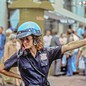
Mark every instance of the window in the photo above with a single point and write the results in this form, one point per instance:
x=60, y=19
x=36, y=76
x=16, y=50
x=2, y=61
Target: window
x=85, y=11
x=52, y=1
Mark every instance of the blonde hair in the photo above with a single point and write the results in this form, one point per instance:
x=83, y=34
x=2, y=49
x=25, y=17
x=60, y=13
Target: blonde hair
x=39, y=44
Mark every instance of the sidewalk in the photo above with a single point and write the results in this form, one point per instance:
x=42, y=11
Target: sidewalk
x=76, y=80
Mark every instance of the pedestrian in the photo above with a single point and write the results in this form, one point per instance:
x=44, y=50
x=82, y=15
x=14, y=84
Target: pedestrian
x=8, y=33
x=80, y=30
x=69, y=54
x=55, y=39
x=32, y=59
x=63, y=40
x=47, y=39
x=56, y=65
x=2, y=42
x=75, y=52
x=11, y=47
x=82, y=55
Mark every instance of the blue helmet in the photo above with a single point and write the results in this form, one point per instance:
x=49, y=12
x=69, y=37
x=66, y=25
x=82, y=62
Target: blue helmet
x=28, y=28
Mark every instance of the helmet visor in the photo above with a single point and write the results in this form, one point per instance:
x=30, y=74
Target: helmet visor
x=21, y=35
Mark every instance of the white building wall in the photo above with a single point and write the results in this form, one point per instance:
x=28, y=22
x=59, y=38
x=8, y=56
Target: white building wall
x=78, y=9
x=61, y=27
x=3, y=14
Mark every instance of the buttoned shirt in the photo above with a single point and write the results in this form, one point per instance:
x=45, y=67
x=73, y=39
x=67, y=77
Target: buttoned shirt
x=80, y=32
x=47, y=40
x=42, y=62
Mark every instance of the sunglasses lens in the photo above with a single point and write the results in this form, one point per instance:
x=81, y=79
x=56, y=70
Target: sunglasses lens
x=23, y=39
x=27, y=38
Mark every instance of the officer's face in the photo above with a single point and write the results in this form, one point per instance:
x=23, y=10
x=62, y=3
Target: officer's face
x=27, y=42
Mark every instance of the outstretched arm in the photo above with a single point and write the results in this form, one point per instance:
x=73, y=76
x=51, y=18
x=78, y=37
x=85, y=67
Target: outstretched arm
x=73, y=45
x=9, y=73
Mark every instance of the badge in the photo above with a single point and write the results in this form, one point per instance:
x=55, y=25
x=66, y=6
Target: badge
x=43, y=56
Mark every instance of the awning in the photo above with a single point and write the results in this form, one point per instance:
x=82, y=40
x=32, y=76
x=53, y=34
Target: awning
x=71, y=15
x=52, y=15
x=61, y=18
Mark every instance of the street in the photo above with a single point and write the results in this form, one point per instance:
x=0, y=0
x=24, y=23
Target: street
x=76, y=80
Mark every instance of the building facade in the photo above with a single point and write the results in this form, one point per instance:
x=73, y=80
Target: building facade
x=3, y=14
x=64, y=11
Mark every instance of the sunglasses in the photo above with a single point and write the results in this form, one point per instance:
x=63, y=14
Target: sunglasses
x=25, y=39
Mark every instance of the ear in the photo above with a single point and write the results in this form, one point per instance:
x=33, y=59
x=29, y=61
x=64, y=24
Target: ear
x=35, y=42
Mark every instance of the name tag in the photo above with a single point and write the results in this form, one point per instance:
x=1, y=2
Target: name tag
x=43, y=56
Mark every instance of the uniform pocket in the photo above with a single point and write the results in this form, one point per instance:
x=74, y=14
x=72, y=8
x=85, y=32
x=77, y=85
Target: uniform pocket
x=45, y=66
x=26, y=66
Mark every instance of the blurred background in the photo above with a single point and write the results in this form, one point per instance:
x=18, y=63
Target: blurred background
x=62, y=20
x=62, y=13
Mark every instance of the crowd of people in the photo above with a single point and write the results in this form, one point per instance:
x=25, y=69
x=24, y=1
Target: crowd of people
x=57, y=49
x=8, y=46
x=73, y=60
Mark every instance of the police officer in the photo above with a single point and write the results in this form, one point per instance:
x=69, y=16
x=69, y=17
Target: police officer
x=32, y=59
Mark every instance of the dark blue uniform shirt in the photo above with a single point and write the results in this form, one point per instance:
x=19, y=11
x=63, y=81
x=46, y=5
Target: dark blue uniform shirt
x=42, y=62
